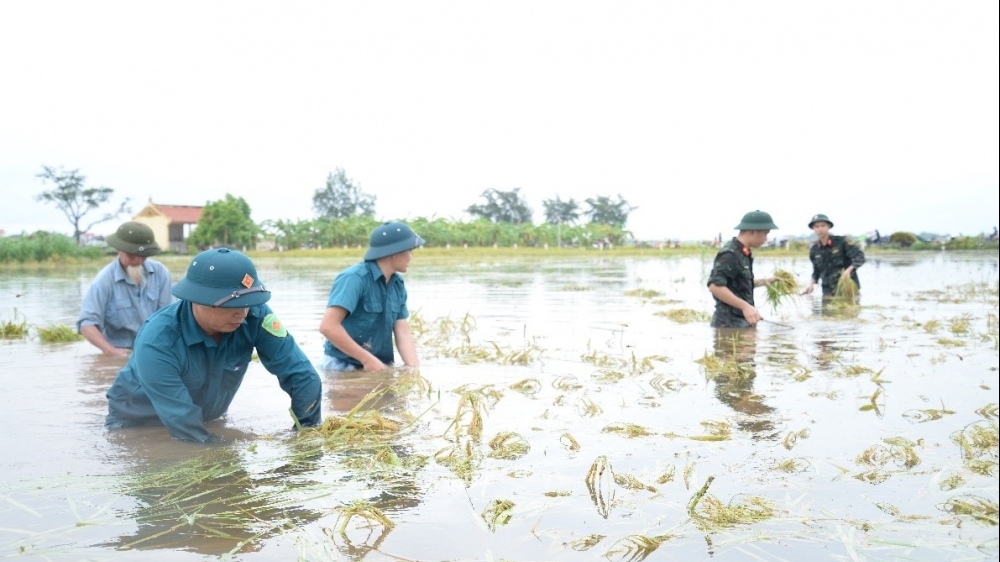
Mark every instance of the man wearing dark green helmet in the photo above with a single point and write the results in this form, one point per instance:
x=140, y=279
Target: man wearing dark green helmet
x=367, y=309
x=833, y=257
x=731, y=281
x=190, y=357
x=126, y=292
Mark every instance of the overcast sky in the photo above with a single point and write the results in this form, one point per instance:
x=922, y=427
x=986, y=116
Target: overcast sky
x=880, y=114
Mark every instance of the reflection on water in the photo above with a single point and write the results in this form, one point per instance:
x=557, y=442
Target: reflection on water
x=211, y=504
x=616, y=386
x=735, y=389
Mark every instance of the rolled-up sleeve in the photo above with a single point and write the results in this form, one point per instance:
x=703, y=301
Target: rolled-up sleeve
x=722, y=270
x=855, y=254
x=282, y=357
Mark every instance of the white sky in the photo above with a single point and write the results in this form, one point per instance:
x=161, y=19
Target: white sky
x=880, y=114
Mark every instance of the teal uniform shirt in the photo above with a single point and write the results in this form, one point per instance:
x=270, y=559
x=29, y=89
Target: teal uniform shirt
x=372, y=309
x=831, y=259
x=179, y=376
x=733, y=268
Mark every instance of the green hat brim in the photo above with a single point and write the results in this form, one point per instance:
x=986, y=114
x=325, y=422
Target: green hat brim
x=769, y=225
x=144, y=250
x=376, y=253
x=208, y=296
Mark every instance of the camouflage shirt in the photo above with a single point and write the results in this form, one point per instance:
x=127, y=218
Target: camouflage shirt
x=831, y=259
x=733, y=268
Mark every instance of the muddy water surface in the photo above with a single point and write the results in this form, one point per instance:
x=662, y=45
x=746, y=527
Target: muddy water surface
x=567, y=417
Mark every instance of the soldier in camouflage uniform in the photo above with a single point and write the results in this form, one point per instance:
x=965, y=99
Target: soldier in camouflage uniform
x=833, y=257
x=731, y=281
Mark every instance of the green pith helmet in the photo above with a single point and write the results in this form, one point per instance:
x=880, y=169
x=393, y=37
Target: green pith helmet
x=392, y=238
x=223, y=278
x=820, y=218
x=134, y=238
x=756, y=220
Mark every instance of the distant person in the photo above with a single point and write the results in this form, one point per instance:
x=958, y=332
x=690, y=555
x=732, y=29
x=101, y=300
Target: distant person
x=191, y=357
x=731, y=281
x=125, y=292
x=833, y=257
x=367, y=306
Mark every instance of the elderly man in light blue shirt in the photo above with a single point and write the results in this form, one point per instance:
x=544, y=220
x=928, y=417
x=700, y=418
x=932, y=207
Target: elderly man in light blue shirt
x=126, y=292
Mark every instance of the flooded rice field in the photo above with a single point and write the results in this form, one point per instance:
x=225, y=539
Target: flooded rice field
x=565, y=409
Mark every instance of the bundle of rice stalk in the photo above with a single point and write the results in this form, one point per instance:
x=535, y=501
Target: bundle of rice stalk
x=846, y=289
x=783, y=286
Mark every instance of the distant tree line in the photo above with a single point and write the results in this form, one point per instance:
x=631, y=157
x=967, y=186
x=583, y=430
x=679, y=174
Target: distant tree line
x=345, y=216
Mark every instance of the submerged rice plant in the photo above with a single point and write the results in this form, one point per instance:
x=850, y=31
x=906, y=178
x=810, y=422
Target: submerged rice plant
x=569, y=442
x=586, y=543
x=12, y=329
x=643, y=293
x=498, y=513
x=630, y=430
x=365, y=510
x=472, y=404
x=462, y=460
x=60, y=333
x=980, y=445
x=635, y=548
x=978, y=508
x=710, y=513
x=684, y=315
x=719, y=368
x=598, y=482
x=509, y=445
x=630, y=482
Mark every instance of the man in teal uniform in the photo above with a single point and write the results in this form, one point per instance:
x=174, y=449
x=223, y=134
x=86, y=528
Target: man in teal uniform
x=367, y=305
x=833, y=257
x=731, y=281
x=190, y=357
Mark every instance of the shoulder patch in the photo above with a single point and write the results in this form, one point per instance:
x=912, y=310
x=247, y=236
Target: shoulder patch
x=274, y=326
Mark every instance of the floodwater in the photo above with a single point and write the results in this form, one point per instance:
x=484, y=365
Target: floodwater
x=567, y=418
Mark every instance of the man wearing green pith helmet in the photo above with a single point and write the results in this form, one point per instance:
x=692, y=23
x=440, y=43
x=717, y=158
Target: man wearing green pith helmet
x=833, y=257
x=191, y=356
x=367, y=309
x=731, y=281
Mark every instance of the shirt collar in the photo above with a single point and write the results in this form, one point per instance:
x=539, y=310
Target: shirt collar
x=743, y=249
x=375, y=271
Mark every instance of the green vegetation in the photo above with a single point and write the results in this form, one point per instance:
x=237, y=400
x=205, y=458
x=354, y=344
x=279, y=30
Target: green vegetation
x=783, y=287
x=60, y=333
x=227, y=223
x=684, y=315
x=846, y=289
x=44, y=246
x=12, y=329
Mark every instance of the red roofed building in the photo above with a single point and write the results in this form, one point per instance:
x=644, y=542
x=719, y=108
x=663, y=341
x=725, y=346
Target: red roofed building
x=171, y=224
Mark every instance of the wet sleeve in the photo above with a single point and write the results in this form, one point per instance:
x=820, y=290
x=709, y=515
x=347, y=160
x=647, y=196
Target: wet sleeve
x=282, y=357
x=347, y=292
x=163, y=281
x=404, y=312
x=95, y=302
x=814, y=258
x=722, y=269
x=854, y=253
x=159, y=372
